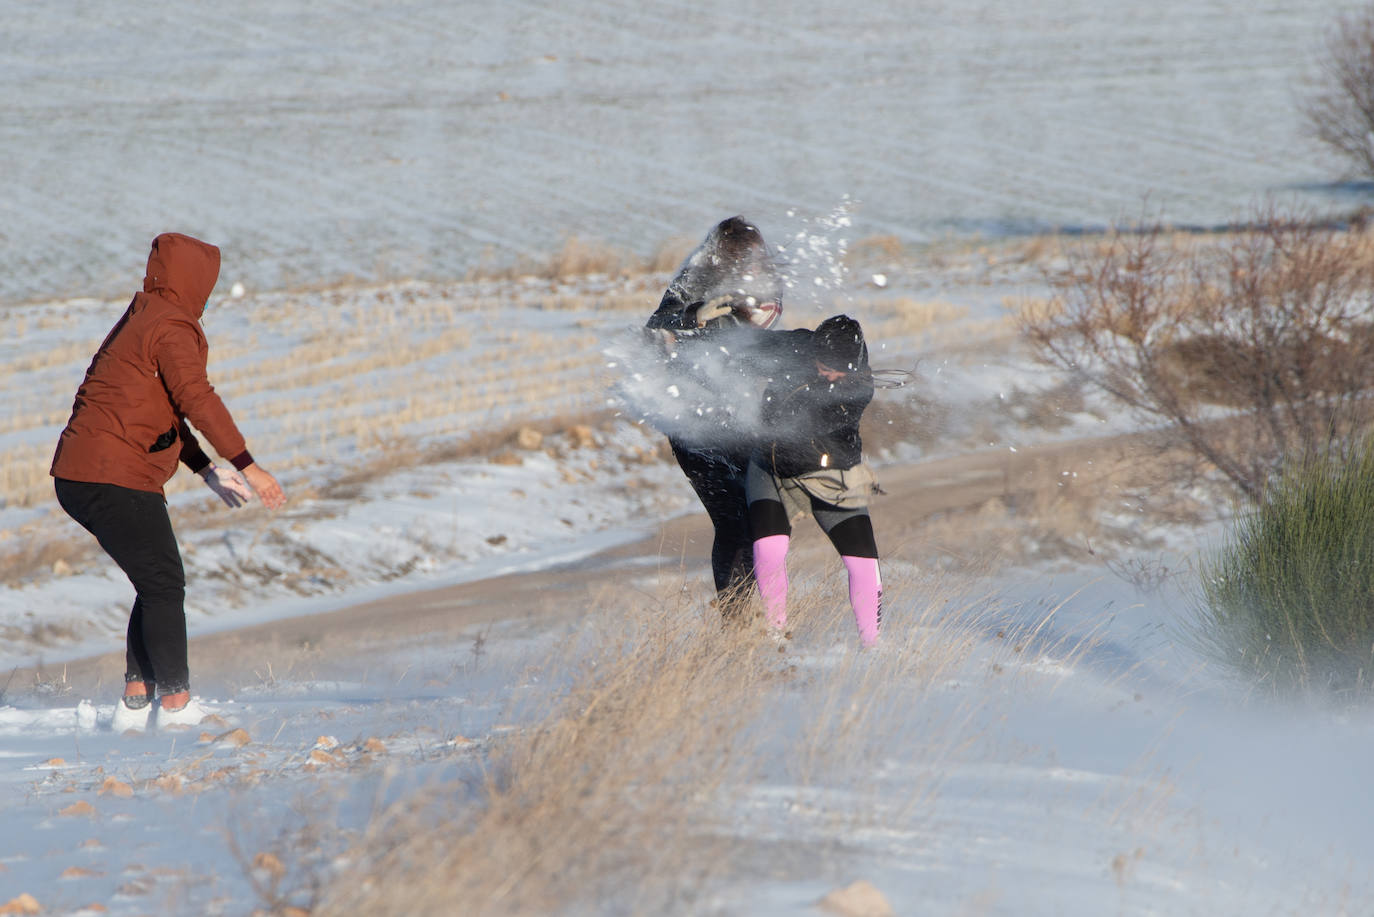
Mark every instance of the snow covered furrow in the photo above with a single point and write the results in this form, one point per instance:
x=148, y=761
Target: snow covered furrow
x=372, y=140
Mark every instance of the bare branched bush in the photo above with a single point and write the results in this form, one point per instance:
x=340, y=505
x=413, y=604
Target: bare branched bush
x=1340, y=109
x=1250, y=347
x=1147, y=575
x=875, y=250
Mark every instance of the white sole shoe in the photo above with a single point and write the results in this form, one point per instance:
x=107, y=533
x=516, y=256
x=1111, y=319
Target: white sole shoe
x=128, y=719
x=184, y=718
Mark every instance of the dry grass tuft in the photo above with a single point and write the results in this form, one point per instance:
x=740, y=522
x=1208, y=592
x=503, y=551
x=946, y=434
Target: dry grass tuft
x=670, y=255
x=869, y=706
x=595, y=797
x=614, y=795
x=875, y=250
x=579, y=258
x=24, y=478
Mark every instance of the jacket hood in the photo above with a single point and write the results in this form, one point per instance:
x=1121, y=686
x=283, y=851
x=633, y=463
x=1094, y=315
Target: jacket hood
x=839, y=342
x=183, y=271
x=733, y=261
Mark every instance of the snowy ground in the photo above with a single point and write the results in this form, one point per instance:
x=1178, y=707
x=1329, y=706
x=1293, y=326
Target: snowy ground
x=342, y=392
x=1101, y=768
x=1054, y=781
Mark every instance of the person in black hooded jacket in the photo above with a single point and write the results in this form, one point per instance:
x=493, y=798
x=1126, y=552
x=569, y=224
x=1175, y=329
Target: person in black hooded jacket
x=724, y=296
x=810, y=458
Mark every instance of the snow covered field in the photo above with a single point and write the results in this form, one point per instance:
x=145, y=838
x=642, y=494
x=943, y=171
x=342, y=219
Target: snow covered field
x=1040, y=741
x=381, y=140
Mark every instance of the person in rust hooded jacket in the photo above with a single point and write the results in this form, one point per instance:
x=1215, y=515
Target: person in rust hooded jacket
x=128, y=430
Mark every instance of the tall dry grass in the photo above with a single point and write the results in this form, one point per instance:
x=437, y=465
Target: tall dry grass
x=578, y=258
x=596, y=798
x=868, y=706
x=873, y=736
x=621, y=791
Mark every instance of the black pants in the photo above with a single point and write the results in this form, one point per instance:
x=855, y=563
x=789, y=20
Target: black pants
x=718, y=479
x=134, y=529
x=852, y=535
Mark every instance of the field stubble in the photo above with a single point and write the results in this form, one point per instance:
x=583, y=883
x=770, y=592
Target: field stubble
x=338, y=386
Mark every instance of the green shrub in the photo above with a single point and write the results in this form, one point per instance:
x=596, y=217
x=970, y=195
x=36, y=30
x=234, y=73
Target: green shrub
x=1289, y=599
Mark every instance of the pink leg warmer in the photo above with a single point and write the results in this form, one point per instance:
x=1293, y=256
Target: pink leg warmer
x=770, y=570
x=865, y=594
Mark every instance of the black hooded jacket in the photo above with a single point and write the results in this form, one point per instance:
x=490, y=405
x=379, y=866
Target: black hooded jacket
x=809, y=422
x=804, y=421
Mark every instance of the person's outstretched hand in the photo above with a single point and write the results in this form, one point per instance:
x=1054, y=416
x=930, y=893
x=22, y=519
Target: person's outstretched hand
x=227, y=484
x=265, y=486
x=708, y=311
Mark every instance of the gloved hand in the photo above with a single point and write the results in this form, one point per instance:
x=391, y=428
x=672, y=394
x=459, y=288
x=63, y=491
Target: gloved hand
x=707, y=311
x=227, y=484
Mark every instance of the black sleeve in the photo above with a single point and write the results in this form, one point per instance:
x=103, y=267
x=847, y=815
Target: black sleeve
x=841, y=404
x=769, y=353
x=192, y=455
x=672, y=314
x=857, y=391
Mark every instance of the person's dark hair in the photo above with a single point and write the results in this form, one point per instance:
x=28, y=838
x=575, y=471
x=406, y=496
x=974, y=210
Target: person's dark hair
x=740, y=240
x=839, y=343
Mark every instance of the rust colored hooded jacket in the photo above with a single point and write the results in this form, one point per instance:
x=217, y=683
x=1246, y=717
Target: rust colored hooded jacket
x=128, y=424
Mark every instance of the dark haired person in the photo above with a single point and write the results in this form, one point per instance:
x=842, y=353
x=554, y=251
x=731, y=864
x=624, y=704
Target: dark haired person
x=726, y=292
x=127, y=432
x=811, y=460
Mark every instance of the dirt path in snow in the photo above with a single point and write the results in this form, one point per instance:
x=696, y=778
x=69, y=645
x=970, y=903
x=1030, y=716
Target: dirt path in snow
x=340, y=639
